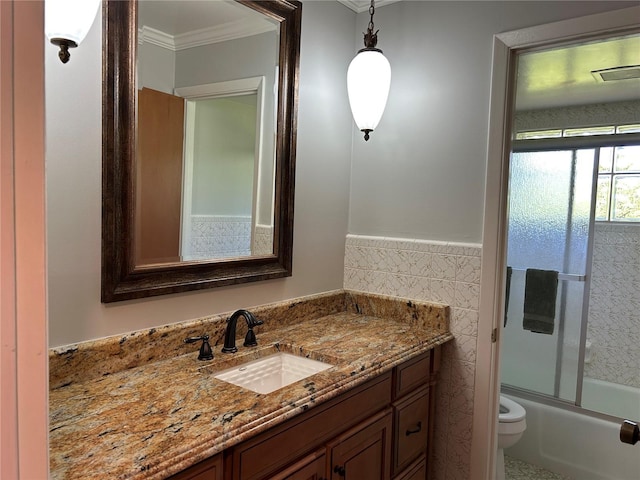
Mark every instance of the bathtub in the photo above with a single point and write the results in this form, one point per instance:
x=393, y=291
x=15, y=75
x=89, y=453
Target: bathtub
x=578, y=445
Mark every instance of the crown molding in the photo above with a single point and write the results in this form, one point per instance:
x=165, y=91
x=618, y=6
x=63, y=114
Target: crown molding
x=205, y=36
x=360, y=6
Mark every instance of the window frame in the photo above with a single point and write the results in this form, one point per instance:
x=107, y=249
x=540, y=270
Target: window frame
x=585, y=142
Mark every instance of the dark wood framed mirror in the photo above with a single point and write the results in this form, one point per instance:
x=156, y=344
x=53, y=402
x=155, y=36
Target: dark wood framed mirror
x=124, y=277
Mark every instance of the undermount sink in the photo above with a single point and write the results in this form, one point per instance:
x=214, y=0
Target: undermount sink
x=271, y=373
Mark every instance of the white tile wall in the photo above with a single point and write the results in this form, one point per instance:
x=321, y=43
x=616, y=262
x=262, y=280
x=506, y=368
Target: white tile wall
x=614, y=305
x=262, y=240
x=218, y=236
x=439, y=272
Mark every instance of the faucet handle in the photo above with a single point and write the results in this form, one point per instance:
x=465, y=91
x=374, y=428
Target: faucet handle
x=252, y=321
x=205, y=349
x=250, y=340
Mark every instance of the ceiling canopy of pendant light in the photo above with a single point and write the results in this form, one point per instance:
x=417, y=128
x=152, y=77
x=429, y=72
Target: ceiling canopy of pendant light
x=67, y=23
x=368, y=82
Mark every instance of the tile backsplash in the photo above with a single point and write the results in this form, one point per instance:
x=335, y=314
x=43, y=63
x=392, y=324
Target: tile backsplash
x=441, y=272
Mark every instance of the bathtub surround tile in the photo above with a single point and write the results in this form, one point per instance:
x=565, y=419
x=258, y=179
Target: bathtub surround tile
x=614, y=305
x=441, y=272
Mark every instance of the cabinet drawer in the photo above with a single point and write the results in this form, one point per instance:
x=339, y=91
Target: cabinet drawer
x=272, y=450
x=411, y=428
x=417, y=471
x=412, y=374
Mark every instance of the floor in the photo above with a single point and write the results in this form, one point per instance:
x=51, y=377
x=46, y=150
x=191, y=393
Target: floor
x=519, y=470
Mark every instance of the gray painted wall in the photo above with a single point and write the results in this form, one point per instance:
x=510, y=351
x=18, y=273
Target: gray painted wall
x=223, y=163
x=156, y=68
x=74, y=190
x=421, y=175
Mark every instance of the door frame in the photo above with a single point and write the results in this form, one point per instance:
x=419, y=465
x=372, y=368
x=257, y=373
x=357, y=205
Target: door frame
x=505, y=48
x=243, y=86
x=24, y=408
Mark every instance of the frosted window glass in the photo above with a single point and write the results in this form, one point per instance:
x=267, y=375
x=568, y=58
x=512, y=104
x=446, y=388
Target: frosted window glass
x=538, y=205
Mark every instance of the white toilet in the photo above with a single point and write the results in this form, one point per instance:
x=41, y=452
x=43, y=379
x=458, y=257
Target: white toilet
x=511, y=426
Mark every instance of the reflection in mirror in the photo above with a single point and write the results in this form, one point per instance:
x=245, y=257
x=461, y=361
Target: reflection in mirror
x=206, y=131
x=199, y=116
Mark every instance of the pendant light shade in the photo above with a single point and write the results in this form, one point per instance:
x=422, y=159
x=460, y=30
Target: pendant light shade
x=67, y=23
x=368, y=82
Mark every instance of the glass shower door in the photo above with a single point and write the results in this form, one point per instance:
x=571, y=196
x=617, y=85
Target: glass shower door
x=549, y=225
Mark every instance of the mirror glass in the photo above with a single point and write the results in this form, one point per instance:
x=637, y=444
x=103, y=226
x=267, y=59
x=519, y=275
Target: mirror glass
x=199, y=141
x=206, y=82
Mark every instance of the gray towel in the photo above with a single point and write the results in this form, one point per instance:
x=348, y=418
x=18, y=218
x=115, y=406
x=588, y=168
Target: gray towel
x=540, y=291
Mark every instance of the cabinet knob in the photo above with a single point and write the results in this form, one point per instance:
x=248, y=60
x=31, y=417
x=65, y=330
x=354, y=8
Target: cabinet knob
x=339, y=469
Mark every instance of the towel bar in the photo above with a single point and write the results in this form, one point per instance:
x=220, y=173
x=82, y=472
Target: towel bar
x=569, y=277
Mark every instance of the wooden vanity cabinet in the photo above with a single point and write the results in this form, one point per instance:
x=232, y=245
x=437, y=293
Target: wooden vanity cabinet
x=380, y=430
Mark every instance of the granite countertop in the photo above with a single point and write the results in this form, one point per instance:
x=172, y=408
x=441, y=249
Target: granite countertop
x=162, y=415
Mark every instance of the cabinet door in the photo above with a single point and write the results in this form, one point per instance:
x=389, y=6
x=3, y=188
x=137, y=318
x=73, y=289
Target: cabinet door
x=364, y=452
x=311, y=467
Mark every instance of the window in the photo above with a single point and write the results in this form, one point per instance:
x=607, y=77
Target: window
x=618, y=189
x=618, y=194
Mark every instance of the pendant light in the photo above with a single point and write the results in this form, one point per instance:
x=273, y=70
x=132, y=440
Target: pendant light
x=67, y=23
x=368, y=81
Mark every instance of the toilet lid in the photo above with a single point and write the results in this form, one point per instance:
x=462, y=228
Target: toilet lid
x=510, y=411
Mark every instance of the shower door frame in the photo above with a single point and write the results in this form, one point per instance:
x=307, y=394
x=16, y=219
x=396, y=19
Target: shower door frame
x=506, y=46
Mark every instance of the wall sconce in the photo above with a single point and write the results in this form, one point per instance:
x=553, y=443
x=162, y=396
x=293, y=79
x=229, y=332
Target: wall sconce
x=67, y=22
x=368, y=82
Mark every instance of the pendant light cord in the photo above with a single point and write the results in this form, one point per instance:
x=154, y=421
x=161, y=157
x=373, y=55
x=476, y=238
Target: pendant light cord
x=371, y=38
x=372, y=10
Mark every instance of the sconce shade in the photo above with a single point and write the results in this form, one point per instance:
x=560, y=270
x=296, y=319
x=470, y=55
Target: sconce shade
x=368, y=82
x=67, y=22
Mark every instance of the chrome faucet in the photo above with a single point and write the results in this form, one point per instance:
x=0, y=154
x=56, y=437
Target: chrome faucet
x=230, y=334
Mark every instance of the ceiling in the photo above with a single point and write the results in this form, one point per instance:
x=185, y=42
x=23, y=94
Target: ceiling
x=188, y=23
x=563, y=76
